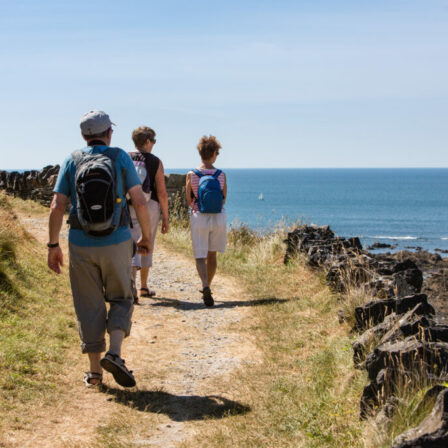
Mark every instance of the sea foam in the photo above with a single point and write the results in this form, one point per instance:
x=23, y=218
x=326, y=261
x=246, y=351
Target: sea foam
x=386, y=237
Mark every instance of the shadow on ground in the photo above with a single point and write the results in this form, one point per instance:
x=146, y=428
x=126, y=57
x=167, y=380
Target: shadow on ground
x=179, y=408
x=187, y=306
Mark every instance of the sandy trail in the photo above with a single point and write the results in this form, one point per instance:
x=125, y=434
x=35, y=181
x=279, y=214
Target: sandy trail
x=180, y=353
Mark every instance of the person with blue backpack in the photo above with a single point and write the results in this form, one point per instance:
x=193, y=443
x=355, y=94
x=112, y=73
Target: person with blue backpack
x=95, y=180
x=206, y=189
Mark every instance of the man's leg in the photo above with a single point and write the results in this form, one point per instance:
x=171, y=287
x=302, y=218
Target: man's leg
x=211, y=266
x=95, y=366
x=116, y=340
x=113, y=363
x=115, y=265
x=90, y=307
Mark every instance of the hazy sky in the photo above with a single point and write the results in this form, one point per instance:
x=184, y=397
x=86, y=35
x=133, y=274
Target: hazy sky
x=303, y=83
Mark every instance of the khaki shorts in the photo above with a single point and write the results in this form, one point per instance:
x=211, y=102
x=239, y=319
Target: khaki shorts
x=145, y=261
x=208, y=233
x=99, y=275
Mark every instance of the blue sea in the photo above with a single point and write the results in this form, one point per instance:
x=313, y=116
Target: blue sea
x=403, y=207
x=407, y=208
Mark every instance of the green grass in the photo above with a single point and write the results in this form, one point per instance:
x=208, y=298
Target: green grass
x=36, y=320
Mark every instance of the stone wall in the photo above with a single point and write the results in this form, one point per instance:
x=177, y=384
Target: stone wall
x=38, y=185
x=401, y=338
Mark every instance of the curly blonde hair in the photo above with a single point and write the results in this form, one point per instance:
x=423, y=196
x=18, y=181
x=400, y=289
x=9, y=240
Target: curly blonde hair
x=207, y=146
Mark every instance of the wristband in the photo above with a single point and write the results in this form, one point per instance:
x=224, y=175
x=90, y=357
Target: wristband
x=51, y=246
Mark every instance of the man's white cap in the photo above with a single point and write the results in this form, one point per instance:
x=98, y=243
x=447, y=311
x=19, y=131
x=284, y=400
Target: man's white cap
x=95, y=122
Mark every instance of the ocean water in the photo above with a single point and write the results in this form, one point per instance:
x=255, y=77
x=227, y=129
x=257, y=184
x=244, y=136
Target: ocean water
x=403, y=207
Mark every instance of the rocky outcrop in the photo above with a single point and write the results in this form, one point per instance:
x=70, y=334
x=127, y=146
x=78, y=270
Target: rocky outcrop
x=348, y=265
x=432, y=432
x=38, y=186
x=374, y=312
x=377, y=245
x=402, y=338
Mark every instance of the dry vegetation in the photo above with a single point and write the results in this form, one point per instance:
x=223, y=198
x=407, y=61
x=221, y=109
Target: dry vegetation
x=36, y=324
x=408, y=393
x=306, y=391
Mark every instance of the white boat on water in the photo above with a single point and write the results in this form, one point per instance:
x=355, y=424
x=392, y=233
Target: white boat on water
x=261, y=197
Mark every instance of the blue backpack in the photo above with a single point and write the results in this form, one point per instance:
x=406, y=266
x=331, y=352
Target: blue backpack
x=210, y=196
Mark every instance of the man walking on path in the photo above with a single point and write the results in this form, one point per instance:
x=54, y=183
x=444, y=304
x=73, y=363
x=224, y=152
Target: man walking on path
x=100, y=260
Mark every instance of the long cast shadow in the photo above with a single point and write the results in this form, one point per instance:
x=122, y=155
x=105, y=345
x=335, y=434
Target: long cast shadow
x=178, y=408
x=187, y=306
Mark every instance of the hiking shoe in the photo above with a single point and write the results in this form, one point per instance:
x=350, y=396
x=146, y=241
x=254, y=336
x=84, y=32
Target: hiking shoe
x=207, y=297
x=115, y=365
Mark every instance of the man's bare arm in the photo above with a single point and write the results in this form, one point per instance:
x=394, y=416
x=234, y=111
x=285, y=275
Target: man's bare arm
x=57, y=210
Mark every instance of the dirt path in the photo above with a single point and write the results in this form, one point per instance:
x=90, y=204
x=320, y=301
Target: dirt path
x=180, y=352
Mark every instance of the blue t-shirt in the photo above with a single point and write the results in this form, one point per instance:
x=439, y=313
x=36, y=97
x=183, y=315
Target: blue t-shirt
x=66, y=185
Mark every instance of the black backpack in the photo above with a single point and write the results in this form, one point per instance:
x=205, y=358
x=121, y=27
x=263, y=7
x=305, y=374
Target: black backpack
x=100, y=207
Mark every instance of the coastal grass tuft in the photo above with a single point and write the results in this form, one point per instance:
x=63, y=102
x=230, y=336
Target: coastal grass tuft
x=412, y=407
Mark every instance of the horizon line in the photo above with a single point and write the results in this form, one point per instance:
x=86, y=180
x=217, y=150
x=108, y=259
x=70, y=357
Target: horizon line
x=284, y=168
x=328, y=168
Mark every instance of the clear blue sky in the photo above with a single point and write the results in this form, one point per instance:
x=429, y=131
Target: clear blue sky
x=303, y=83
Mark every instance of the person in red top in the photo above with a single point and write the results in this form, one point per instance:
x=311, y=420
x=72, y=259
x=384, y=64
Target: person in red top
x=208, y=230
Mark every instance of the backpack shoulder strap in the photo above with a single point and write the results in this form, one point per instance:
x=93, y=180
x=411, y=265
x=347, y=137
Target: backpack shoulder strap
x=198, y=173
x=112, y=153
x=152, y=168
x=77, y=156
x=133, y=155
x=216, y=175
